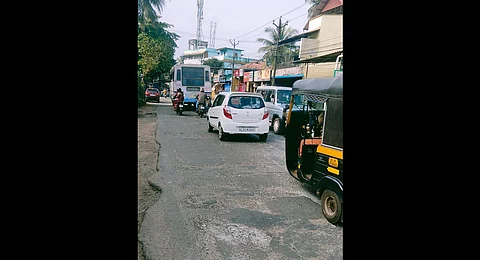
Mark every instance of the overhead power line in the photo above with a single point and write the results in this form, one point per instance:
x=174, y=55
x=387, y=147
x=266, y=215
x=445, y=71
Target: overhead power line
x=272, y=19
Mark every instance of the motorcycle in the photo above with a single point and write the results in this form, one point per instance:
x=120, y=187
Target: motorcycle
x=202, y=110
x=178, y=106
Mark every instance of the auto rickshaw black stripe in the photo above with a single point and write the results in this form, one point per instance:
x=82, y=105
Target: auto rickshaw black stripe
x=330, y=151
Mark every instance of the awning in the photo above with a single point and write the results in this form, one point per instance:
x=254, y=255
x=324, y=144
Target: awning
x=289, y=76
x=319, y=59
x=298, y=37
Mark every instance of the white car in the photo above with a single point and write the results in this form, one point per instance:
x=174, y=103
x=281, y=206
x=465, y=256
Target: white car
x=238, y=113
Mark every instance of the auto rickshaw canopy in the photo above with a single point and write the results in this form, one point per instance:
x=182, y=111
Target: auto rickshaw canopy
x=329, y=87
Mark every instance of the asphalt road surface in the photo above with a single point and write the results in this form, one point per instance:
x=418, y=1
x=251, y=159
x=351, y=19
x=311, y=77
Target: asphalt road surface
x=209, y=199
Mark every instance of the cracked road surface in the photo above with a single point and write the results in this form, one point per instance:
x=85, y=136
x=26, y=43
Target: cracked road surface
x=201, y=198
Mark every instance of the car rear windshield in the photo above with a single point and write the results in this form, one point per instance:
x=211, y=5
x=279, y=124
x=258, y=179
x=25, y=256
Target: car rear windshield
x=246, y=102
x=152, y=90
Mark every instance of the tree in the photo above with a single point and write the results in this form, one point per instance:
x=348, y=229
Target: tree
x=156, y=45
x=146, y=11
x=155, y=57
x=214, y=63
x=270, y=44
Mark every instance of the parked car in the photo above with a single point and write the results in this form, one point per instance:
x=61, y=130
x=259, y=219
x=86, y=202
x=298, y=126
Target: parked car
x=235, y=113
x=276, y=98
x=152, y=94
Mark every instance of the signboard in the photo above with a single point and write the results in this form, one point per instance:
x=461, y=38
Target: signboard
x=227, y=87
x=246, y=76
x=289, y=71
x=264, y=75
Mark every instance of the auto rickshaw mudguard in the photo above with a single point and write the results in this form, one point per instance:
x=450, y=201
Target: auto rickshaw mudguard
x=332, y=183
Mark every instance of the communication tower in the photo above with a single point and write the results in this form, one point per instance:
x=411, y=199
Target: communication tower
x=198, y=42
x=212, y=33
x=199, y=20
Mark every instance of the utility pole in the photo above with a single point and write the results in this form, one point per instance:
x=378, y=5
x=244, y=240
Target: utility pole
x=280, y=26
x=233, y=60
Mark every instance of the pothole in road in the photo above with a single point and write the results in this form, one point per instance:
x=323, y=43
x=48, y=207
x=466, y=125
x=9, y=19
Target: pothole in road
x=146, y=114
x=239, y=234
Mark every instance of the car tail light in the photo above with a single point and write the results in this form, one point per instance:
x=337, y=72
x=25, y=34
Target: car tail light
x=226, y=112
x=265, y=114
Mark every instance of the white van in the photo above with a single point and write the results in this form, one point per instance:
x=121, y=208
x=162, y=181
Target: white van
x=276, y=98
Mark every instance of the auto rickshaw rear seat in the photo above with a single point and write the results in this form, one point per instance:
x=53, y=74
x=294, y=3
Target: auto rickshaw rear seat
x=315, y=141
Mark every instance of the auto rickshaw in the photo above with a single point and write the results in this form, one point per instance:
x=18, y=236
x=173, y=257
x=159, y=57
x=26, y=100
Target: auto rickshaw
x=314, y=140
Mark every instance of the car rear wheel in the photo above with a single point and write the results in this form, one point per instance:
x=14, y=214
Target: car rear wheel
x=221, y=134
x=210, y=128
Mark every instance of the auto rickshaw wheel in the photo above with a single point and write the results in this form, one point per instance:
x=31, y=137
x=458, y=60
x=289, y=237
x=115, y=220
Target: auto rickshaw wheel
x=331, y=206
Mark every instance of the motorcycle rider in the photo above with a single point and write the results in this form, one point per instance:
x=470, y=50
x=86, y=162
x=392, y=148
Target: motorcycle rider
x=178, y=98
x=201, y=98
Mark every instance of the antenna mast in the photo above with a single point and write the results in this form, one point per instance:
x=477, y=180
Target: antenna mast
x=199, y=21
x=212, y=33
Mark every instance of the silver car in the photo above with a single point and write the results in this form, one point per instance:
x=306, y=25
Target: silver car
x=276, y=98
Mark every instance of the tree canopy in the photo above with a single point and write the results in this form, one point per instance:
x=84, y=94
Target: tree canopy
x=270, y=44
x=214, y=64
x=155, y=44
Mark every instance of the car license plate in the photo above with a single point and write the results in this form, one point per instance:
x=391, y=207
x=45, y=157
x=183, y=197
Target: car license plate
x=152, y=95
x=247, y=129
x=180, y=105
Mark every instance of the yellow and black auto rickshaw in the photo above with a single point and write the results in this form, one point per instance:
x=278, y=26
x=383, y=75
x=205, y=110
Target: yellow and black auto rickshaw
x=314, y=140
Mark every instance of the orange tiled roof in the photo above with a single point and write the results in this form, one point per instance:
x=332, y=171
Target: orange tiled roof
x=256, y=65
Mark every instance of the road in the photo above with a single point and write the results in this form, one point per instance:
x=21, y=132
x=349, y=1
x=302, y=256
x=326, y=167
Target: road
x=227, y=200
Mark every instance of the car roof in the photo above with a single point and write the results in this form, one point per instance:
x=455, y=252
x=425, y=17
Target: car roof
x=241, y=93
x=274, y=87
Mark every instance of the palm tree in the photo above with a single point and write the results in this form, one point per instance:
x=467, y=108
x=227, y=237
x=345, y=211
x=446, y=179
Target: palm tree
x=270, y=43
x=146, y=11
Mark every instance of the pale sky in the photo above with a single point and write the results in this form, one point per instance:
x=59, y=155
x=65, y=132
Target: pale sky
x=242, y=20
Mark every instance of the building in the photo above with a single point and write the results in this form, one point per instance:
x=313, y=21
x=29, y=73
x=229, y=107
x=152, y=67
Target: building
x=230, y=57
x=321, y=45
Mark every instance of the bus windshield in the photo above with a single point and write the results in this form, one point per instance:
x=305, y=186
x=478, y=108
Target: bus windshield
x=193, y=76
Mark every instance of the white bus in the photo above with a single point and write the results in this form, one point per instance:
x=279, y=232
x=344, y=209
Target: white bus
x=190, y=78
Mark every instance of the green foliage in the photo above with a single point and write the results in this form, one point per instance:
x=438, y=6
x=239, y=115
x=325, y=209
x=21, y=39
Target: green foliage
x=156, y=48
x=146, y=11
x=284, y=51
x=156, y=45
x=214, y=64
x=155, y=57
